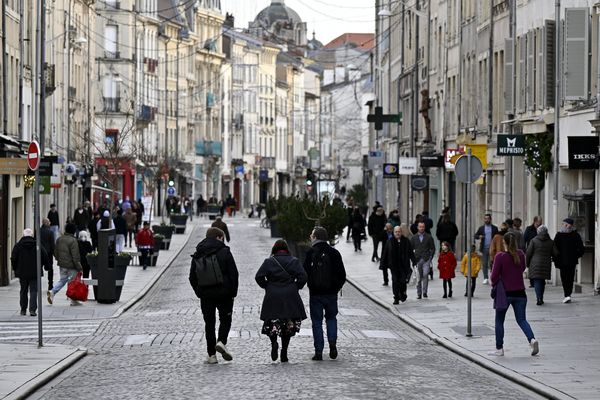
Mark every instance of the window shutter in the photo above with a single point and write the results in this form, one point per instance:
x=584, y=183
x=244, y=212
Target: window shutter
x=549, y=60
x=530, y=95
x=540, y=52
x=576, y=53
x=508, y=76
x=522, y=74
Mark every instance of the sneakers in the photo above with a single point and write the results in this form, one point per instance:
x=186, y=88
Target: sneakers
x=50, y=296
x=567, y=300
x=333, y=351
x=211, y=360
x=496, y=353
x=535, y=347
x=75, y=303
x=485, y=281
x=220, y=347
x=317, y=357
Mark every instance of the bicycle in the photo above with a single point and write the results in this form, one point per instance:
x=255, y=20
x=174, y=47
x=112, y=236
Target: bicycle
x=265, y=223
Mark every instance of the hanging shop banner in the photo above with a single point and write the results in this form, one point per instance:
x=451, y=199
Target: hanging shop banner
x=432, y=161
x=583, y=152
x=479, y=151
x=510, y=145
x=390, y=171
x=407, y=165
x=55, y=179
x=419, y=183
x=450, y=157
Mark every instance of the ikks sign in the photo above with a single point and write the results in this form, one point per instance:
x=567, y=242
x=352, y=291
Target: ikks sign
x=583, y=152
x=511, y=145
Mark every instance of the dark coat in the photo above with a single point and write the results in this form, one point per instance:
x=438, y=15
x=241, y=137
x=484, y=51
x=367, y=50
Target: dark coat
x=53, y=217
x=377, y=226
x=539, y=257
x=569, y=249
x=529, y=234
x=47, y=238
x=480, y=234
x=424, y=250
x=358, y=226
x=81, y=220
x=222, y=226
x=397, y=256
x=120, y=225
x=282, y=300
x=93, y=228
x=446, y=231
x=85, y=248
x=229, y=287
x=24, y=258
x=339, y=272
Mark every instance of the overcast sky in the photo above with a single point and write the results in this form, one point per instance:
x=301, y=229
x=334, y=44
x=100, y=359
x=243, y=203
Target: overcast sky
x=329, y=18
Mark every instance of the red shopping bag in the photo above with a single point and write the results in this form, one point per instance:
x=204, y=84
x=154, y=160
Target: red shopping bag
x=77, y=290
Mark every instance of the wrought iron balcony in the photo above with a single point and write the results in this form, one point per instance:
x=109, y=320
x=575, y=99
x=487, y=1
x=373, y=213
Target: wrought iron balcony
x=111, y=104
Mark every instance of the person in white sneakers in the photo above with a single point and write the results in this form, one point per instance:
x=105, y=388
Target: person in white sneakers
x=66, y=252
x=507, y=271
x=568, y=249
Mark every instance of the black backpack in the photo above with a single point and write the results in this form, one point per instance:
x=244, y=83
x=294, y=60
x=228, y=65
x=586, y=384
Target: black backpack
x=322, y=275
x=208, y=270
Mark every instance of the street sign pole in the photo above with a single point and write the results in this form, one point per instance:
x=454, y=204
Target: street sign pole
x=469, y=240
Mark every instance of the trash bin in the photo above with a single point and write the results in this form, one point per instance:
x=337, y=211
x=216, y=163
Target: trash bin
x=108, y=270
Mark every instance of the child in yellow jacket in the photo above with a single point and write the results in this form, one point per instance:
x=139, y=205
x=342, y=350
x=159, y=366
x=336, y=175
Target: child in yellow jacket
x=475, y=268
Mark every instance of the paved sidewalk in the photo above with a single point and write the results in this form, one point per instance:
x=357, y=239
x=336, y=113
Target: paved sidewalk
x=568, y=365
x=25, y=367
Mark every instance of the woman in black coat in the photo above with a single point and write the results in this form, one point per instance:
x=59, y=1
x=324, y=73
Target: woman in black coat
x=447, y=231
x=358, y=229
x=282, y=276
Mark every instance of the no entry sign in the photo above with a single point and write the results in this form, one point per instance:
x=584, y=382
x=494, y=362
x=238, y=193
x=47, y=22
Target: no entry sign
x=33, y=155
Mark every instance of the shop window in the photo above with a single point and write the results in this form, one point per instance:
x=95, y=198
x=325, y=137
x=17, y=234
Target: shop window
x=581, y=209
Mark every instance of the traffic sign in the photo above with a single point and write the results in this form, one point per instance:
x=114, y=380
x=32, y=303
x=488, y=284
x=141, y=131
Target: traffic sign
x=462, y=169
x=33, y=155
x=171, y=191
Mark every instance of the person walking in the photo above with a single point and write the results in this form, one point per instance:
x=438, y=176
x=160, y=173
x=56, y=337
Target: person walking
x=531, y=230
x=120, y=231
x=428, y=222
x=326, y=276
x=539, y=261
x=282, y=311
x=350, y=211
x=358, y=229
x=106, y=222
x=85, y=248
x=23, y=259
x=507, y=271
x=569, y=249
x=517, y=232
x=68, y=260
x=145, y=244
x=47, y=240
x=497, y=242
x=389, y=235
x=131, y=222
x=397, y=256
x=485, y=233
x=200, y=204
x=93, y=229
x=447, y=231
x=394, y=218
x=219, y=223
x=54, y=221
x=475, y=268
x=424, y=250
x=446, y=266
x=376, y=228
x=216, y=297
x=81, y=218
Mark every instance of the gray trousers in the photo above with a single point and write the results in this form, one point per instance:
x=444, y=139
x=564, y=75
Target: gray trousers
x=423, y=268
x=485, y=261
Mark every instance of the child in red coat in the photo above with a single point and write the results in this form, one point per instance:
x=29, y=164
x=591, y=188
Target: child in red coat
x=447, y=265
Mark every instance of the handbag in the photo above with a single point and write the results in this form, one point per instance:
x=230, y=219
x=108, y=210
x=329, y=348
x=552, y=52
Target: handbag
x=499, y=295
x=77, y=290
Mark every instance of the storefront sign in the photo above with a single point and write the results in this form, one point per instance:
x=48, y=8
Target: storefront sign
x=511, y=145
x=419, y=182
x=375, y=158
x=407, y=165
x=432, y=161
x=390, y=171
x=479, y=151
x=13, y=166
x=449, y=154
x=583, y=152
x=55, y=178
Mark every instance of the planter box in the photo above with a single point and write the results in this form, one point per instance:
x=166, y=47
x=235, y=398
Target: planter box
x=167, y=231
x=274, y=229
x=180, y=222
x=299, y=250
x=121, y=264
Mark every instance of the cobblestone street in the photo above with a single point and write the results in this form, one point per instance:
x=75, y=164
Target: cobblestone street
x=156, y=349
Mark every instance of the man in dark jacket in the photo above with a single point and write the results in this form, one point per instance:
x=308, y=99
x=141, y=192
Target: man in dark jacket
x=486, y=233
x=120, y=231
x=569, y=248
x=376, y=226
x=397, y=256
x=423, y=252
x=326, y=276
x=217, y=297
x=531, y=230
x=81, y=218
x=47, y=239
x=219, y=223
x=24, y=262
x=54, y=221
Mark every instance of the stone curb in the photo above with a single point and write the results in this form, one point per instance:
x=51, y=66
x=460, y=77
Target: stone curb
x=42, y=379
x=531, y=384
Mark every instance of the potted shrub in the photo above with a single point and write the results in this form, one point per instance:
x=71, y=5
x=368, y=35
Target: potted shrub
x=158, y=242
x=122, y=261
x=180, y=222
x=167, y=232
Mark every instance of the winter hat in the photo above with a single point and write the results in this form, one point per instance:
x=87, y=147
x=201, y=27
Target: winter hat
x=106, y=214
x=542, y=229
x=27, y=232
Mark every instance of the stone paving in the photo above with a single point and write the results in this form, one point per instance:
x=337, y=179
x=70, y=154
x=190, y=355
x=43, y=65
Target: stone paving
x=156, y=349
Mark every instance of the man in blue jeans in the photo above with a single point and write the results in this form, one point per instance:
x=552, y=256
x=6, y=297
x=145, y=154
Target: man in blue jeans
x=326, y=276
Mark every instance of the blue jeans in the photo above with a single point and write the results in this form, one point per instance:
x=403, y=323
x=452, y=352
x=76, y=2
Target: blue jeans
x=318, y=304
x=540, y=286
x=66, y=276
x=519, y=304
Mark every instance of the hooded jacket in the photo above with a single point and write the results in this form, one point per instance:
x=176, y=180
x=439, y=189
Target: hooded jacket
x=539, y=256
x=24, y=258
x=229, y=287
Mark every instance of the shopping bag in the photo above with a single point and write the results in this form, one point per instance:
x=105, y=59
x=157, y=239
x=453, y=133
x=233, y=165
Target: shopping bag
x=77, y=290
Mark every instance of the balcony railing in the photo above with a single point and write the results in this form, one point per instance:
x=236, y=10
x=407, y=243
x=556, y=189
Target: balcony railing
x=145, y=114
x=113, y=55
x=112, y=5
x=111, y=104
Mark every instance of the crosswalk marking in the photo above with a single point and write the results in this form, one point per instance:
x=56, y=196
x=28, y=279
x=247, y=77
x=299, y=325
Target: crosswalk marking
x=51, y=329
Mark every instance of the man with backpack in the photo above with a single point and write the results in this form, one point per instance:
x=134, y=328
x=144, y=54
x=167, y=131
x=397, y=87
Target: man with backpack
x=326, y=276
x=214, y=278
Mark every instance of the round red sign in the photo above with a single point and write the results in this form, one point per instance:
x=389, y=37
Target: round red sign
x=33, y=155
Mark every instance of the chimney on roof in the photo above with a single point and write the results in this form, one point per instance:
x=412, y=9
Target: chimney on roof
x=229, y=20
